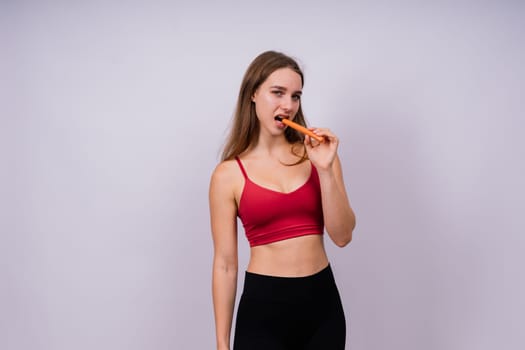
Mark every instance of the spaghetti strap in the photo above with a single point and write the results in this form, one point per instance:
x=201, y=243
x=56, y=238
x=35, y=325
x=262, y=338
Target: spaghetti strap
x=242, y=168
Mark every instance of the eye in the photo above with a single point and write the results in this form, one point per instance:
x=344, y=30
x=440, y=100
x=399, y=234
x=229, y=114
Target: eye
x=278, y=92
x=296, y=97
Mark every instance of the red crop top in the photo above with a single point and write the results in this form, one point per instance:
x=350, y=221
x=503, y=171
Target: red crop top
x=270, y=216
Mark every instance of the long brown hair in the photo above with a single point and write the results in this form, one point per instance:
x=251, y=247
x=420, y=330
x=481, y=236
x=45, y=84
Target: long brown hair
x=244, y=131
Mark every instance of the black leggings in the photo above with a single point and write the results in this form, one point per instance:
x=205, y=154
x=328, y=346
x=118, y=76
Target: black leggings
x=290, y=313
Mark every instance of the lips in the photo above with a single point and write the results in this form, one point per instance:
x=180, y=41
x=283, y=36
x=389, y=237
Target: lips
x=280, y=124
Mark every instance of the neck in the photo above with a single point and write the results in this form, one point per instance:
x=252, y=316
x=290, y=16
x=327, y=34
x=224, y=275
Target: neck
x=271, y=146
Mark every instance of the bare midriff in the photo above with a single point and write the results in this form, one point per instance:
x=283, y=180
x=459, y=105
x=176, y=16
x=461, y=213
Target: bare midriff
x=294, y=257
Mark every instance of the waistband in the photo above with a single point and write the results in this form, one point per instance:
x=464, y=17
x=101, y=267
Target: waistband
x=320, y=284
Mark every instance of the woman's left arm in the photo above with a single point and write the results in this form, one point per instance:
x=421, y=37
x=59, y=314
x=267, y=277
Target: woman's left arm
x=339, y=218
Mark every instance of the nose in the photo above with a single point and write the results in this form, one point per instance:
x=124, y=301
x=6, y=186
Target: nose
x=287, y=104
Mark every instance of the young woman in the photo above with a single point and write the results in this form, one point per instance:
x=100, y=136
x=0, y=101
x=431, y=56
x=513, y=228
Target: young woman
x=286, y=188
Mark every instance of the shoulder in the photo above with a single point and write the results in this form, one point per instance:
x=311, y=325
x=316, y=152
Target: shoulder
x=226, y=177
x=225, y=170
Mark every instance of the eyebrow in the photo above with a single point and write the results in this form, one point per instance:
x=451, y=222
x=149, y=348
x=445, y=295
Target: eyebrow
x=284, y=89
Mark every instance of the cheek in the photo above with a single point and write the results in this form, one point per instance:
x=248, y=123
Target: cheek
x=296, y=106
x=265, y=103
x=261, y=109
x=269, y=100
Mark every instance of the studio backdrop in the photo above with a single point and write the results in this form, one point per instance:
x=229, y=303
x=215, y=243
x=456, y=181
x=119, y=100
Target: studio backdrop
x=113, y=117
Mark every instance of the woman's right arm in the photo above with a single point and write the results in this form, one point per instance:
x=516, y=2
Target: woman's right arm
x=223, y=217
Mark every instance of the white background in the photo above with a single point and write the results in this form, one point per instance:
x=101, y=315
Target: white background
x=113, y=115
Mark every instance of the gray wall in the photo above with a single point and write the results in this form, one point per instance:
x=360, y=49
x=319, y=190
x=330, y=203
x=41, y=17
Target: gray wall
x=113, y=115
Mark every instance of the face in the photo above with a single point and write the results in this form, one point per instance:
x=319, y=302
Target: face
x=279, y=95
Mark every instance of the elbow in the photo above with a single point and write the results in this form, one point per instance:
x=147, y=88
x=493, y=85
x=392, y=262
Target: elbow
x=227, y=264
x=343, y=242
x=343, y=238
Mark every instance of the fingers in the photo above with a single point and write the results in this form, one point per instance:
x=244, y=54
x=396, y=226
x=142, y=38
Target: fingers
x=311, y=142
x=327, y=134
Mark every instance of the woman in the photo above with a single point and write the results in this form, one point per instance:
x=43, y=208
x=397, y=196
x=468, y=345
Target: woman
x=286, y=188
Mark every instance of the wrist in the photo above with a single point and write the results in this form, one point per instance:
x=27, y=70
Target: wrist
x=327, y=170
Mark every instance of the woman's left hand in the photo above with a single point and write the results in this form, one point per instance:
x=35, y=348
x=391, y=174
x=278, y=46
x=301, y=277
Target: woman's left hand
x=322, y=154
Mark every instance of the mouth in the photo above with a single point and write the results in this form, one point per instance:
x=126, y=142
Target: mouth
x=278, y=121
x=280, y=118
